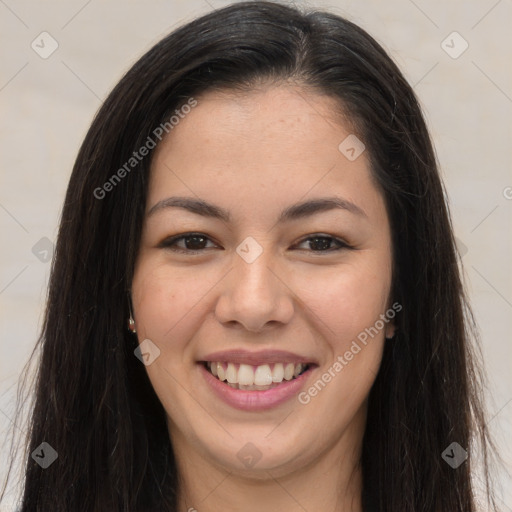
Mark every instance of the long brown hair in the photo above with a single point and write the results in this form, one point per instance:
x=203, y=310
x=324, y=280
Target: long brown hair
x=93, y=401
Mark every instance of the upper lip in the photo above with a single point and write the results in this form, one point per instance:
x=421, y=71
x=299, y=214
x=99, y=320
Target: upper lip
x=261, y=357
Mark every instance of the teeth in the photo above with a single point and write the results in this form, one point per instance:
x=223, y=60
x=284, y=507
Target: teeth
x=289, y=370
x=278, y=373
x=231, y=374
x=221, y=374
x=246, y=376
x=263, y=375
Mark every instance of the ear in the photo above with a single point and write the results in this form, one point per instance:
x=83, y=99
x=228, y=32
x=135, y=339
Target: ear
x=390, y=330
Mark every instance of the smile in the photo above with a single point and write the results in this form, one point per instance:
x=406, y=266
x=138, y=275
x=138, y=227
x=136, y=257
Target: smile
x=255, y=381
x=255, y=378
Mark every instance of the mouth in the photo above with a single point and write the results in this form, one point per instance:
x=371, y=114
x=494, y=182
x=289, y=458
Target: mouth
x=255, y=381
x=248, y=377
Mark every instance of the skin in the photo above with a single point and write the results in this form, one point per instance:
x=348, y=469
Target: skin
x=255, y=154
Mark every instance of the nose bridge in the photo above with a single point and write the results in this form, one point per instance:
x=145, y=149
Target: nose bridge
x=256, y=278
x=252, y=294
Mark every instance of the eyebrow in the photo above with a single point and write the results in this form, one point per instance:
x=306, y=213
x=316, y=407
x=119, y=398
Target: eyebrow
x=293, y=212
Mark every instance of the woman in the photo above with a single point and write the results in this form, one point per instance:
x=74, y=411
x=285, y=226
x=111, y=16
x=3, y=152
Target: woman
x=255, y=302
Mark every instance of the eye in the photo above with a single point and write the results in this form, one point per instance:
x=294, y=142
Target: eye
x=195, y=243
x=322, y=243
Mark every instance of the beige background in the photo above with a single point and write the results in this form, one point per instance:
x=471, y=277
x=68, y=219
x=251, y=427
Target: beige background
x=48, y=104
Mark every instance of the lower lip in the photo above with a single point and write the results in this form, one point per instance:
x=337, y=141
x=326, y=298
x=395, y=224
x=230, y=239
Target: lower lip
x=255, y=400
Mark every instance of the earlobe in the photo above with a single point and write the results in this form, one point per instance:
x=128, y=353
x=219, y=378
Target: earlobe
x=131, y=321
x=391, y=313
x=131, y=324
x=390, y=331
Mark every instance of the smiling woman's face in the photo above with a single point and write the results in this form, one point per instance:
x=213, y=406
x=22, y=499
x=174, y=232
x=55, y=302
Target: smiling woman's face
x=256, y=289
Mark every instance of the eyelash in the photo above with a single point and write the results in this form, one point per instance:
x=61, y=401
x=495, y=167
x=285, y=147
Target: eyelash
x=169, y=242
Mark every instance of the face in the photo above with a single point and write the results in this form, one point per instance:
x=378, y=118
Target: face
x=272, y=272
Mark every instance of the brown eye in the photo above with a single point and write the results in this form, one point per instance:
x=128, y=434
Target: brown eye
x=321, y=243
x=192, y=243
x=195, y=243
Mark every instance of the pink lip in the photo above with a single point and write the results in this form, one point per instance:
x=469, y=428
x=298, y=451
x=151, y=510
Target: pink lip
x=255, y=400
x=257, y=358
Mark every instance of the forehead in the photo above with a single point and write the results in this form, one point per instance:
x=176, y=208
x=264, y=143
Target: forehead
x=284, y=111
x=269, y=142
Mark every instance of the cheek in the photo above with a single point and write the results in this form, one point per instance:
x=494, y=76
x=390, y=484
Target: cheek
x=164, y=300
x=348, y=305
x=346, y=300
x=341, y=300
x=166, y=303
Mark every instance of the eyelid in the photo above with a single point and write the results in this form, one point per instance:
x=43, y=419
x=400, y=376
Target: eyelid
x=167, y=243
x=343, y=243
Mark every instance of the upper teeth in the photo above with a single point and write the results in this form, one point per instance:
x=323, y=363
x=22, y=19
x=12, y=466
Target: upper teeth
x=262, y=375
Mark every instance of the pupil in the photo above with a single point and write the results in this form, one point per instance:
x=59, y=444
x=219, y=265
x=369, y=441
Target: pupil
x=195, y=239
x=324, y=243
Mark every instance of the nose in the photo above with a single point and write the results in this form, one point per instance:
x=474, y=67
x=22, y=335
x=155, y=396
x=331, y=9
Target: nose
x=254, y=296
